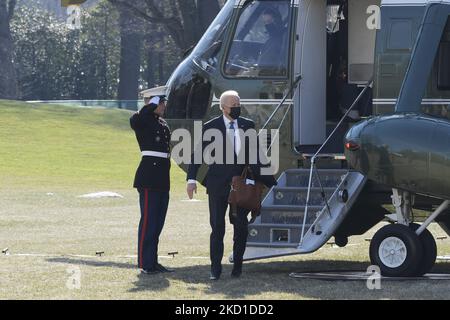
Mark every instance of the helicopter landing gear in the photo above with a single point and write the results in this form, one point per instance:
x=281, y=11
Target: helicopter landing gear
x=405, y=249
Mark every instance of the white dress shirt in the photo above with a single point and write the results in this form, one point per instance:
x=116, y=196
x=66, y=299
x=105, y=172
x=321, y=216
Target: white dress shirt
x=237, y=138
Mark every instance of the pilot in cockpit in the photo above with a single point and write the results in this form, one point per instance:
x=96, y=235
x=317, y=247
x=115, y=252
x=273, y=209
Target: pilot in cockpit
x=260, y=44
x=270, y=51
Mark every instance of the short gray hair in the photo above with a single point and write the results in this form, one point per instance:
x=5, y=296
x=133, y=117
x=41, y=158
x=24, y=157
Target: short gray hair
x=226, y=94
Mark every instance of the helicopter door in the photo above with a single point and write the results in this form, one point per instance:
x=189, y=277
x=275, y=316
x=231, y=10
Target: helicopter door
x=311, y=63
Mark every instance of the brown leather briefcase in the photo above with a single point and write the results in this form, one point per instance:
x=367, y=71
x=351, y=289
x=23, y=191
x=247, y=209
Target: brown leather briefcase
x=245, y=193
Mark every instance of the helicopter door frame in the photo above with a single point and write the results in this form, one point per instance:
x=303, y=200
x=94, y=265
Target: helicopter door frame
x=309, y=120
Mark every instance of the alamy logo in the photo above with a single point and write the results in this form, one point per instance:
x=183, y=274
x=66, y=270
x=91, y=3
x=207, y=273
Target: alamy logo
x=74, y=17
x=236, y=147
x=74, y=280
x=374, y=279
x=374, y=19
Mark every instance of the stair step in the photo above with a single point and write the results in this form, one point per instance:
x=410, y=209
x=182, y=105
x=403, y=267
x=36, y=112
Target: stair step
x=329, y=178
x=297, y=196
x=289, y=208
x=277, y=225
x=286, y=215
x=272, y=245
x=275, y=233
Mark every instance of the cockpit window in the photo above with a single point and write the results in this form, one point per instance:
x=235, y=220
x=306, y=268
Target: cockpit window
x=209, y=45
x=261, y=41
x=439, y=106
x=443, y=58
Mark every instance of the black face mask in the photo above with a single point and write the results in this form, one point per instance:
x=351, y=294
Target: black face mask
x=271, y=29
x=235, y=112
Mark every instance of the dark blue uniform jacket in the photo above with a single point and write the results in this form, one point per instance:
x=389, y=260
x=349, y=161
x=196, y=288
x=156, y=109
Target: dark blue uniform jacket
x=152, y=134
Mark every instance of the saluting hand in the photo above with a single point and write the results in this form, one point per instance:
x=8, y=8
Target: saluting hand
x=191, y=188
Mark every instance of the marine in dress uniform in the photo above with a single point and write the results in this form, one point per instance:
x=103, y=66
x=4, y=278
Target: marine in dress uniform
x=152, y=178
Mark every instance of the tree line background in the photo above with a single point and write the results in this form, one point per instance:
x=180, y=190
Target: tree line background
x=121, y=48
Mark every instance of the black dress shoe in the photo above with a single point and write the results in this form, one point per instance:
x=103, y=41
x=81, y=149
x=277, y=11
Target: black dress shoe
x=161, y=268
x=214, y=276
x=236, y=273
x=150, y=271
x=237, y=270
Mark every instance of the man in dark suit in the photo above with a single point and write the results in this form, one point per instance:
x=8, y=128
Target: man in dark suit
x=218, y=180
x=152, y=177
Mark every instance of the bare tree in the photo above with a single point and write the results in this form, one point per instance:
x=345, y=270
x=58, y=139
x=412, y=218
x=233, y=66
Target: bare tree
x=8, y=78
x=207, y=11
x=184, y=20
x=131, y=36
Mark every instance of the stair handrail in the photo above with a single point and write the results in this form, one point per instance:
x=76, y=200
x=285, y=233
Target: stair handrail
x=313, y=162
x=292, y=88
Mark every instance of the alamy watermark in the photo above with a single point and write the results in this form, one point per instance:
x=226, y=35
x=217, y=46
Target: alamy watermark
x=73, y=21
x=235, y=147
x=374, y=279
x=374, y=20
x=74, y=280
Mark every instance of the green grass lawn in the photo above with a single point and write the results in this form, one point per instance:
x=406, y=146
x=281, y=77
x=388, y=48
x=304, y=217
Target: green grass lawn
x=49, y=155
x=54, y=146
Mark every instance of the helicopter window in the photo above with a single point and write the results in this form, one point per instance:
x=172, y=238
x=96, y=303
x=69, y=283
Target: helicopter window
x=400, y=36
x=444, y=60
x=436, y=110
x=440, y=107
x=261, y=40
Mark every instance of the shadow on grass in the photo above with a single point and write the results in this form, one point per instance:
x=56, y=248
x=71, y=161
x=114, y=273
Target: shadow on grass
x=266, y=279
x=261, y=280
x=92, y=263
x=144, y=282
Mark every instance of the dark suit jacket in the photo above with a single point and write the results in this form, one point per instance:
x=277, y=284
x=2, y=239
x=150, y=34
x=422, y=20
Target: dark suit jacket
x=218, y=177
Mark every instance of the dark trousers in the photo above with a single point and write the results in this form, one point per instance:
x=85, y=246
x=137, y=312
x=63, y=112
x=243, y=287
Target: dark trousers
x=218, y=205
x=153, y=214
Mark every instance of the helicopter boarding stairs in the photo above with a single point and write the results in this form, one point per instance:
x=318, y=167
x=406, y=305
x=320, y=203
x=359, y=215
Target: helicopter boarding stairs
x=290, y=224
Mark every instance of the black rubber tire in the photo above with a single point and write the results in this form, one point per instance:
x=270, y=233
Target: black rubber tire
x=413, y=245
x=429, y=250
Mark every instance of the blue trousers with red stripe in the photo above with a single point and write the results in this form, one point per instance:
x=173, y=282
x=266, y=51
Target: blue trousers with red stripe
x=153, y=215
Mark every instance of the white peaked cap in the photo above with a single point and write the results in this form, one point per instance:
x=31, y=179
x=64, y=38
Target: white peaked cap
x=154, y=100
x=153, y=92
